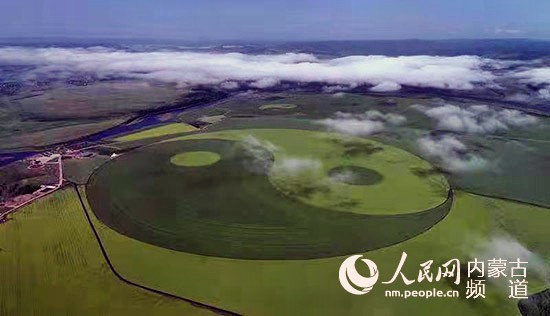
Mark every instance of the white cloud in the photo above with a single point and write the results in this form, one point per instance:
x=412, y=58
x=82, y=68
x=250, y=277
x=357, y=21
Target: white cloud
x=335, y=89
x=535, y=76
x=386, y=86
x=391, y=118
x=251, y=141
x=339, y=94
x=476, y=118
x=298, y=175
x=544, y=94
x=516, y=118
x=362, y=124
x=419, y=107
x=294, y=166
x=345, y=176
x=264, y=83
x=235, y=70
x=353, y=126
x=451, y=154
x=189, y=68
x=230, y=85
x=507, y=31
x=506, y=247
x=519, y=97
x=261, y=152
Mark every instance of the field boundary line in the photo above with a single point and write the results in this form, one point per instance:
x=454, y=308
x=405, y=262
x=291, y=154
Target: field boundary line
x=535, y=204
x=143, y=287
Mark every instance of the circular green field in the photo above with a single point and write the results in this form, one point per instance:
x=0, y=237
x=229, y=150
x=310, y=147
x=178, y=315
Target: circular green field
x=277, y=106
x=261, y=199
x=195, y=158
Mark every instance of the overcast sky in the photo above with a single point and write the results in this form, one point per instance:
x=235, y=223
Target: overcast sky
x=276, y=20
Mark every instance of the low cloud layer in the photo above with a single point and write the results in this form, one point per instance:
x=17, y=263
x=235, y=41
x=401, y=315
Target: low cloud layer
x=479, y=119
x=362, y=124
x=537, y=76
x=506, y=247
x=299, y=176
x=386, y=86
x=298, y=166
x=261, y=153
x=451, y=154
x=261, y=71
x=344, y=176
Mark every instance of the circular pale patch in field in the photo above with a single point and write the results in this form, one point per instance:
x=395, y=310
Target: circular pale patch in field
x=355, y=175
x=275, y=106
x=195, y=158
x=243, y=206
x=212, y=119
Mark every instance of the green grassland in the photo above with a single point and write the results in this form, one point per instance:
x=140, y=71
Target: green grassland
x=277, y=106
x=520, y=170
x=195, y=158
x=231, y=208
x=168, y=129
x=63, y=112
x=290, y=287
x=506, y=178
x=399, y=168
x=52, y=265
x=100, y=99
x=79, y=170
x=212, y=119
x=55, y=135
x=355, y=175
x=276, y=287
x=63, y=271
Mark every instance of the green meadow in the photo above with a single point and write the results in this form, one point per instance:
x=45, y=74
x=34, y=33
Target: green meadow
x=256, y=203
x=472, y=229
x=419, y=185
x=257, y=221
x=52, y=265
x=168, y=129
x=281, y=287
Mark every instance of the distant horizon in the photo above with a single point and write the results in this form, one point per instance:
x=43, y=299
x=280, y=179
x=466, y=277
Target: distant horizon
x=518, y=48
x=282, y=20
x=244, y=41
